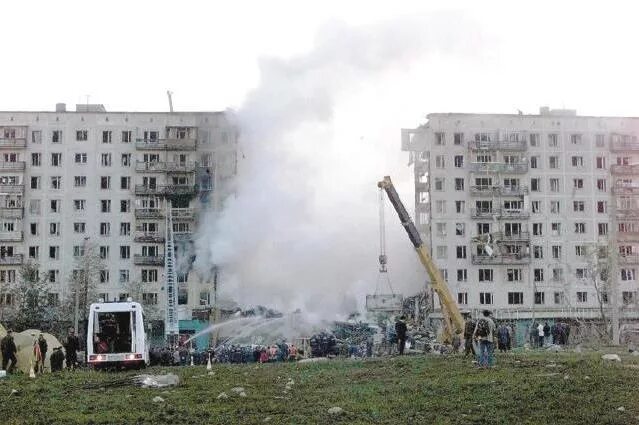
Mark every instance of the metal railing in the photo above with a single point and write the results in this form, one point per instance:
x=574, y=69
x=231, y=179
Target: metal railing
x=622, y=146
x=625, y=189
x=148, y=237
x=484, y=213
x=627, y=236
x=13, y=143
x=149, y=213
x=11, y=236
x=11, y=188
x=11, y=212
x=628, y=214
x=183, y=213
x=503, y=236
x=166, y=144
x=166, y=189
x=500, y=259
x=499, y=213
x=148, y=260
x=490, y=190
x=624, y=169
x=628, y=258
x=163, y=167
x=12, y=165
x=510, y=145
x=499, y=167
x=11, y=260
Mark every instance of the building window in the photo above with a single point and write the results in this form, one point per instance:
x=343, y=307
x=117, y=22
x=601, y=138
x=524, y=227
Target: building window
x=441, y=229
x=559, y=297
x=627, y=274
x=124, y=276
x=126, y=137
x=125, y=183
x=600, y=162
x=535, y=184
x=440, y=161
x=442, y=252
x=78, y=250
x=556, y=252
x=553, y=140
x=35, y=182
x=581, y=273
x=105, y=205
x=535, y=206
x=459, y=161
x=580, y=227
x=538, y=251
x=582, y=297
x=554, y=185
x=53, y=276
x=602, y=207
x=125, y=252
x=34, y=252
x=56, y=182
x=79, y=204
x=79, y=227
x=149, y=275
x=578, y=183
x=460, y=229
x=439, y=184
x=460, y=207
x=149, y=298
x=54, y=252
x=81, y=135
x=105, y=159
x=80, y=181
x=126, y=160
x=36, y=137
x=534, y=139
x=461, y=252
x=125, y=206
x=538, y=229
x=538, y=275
x=55, y=205
x=513, y=275
x=54, y=229
x=515, y=298
x=56, y=136
x=575, y=139
x=106, y=137
x=485, y=298
x=462, y=275
x=458, y=139
x=602, y=229
x=440, y=139
x=80, y=158
x=540, y=298
x=601, y=185
x=104, y=252
x=105, y=182
x=578, y=206
x=629, y=297
x=36, y=159
x=577, y=161
x=599, y=140
x=485, y=275
x=104, y=276
x=125, y=229
x=555, y=207
x=558, y=274
x=105, y=229
x=533, y=161
x=553, y=162
x=555, y=229
x=459, y=183
x=462, y=298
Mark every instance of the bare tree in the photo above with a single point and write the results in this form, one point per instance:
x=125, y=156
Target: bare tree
x=87, y=273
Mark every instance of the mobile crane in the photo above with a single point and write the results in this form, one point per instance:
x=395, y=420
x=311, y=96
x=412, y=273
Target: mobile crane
x=453, y=322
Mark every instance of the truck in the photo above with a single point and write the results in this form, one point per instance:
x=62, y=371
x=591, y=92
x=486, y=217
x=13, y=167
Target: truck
x=116, y=336
x=453, y=321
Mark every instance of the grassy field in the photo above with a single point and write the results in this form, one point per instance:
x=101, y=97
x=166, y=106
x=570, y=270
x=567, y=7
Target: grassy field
x=522, y=389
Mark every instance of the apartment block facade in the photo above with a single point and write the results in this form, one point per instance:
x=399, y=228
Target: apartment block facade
x=531, y=216
x=107, y=180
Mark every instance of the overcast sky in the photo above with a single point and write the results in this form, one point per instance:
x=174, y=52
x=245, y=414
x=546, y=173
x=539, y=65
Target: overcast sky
x=126, y=54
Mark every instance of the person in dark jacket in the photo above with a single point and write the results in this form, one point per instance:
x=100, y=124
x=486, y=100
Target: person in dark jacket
x=57, y=359
x=8, y=348
x=40, y=352
x=469, y=328
x=547, y=332
x=72, y=346
x=400, y=330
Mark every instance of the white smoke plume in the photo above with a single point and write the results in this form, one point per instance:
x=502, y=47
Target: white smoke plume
x=302, y=231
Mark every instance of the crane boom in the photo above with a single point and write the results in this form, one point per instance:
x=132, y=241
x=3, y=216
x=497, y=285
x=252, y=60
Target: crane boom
x=453, y=322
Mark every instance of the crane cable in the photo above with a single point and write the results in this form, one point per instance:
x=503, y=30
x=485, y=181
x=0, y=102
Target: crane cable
x=383, y=271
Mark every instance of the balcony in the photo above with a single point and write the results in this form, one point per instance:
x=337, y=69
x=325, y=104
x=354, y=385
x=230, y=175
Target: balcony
x=628, y=236
x=182, y=236
x=12, y=165
x=498, y=167
x=148, y=237
x=13, y=143
x=148, y=260
x=505, y=145
x=493, y=190
x=179, y=189
x=625, y=189
x=11, y=236
x=180, y=167
x=182, y=213
x=628, y=258
x=628, y=145
x=166, y=144
x=512, y=237
x=628, y=214
x=150, y=167
x=15, y=213
x=11, y=188
x=12, y=260
x=149, y=213
x=500, y=213
x=500, y=259
x=617, y=169
x=141, y=189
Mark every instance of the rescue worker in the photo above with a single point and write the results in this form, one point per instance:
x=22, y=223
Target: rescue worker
x=8, y=348
x=71, y=347
x=469, y=328
x=400, y=330
x=57, y=359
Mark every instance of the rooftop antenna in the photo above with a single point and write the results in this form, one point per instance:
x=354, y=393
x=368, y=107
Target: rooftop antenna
x=169, y=93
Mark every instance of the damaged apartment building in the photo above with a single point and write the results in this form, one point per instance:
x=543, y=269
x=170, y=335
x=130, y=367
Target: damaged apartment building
x=532, y=216
x=70, y=180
